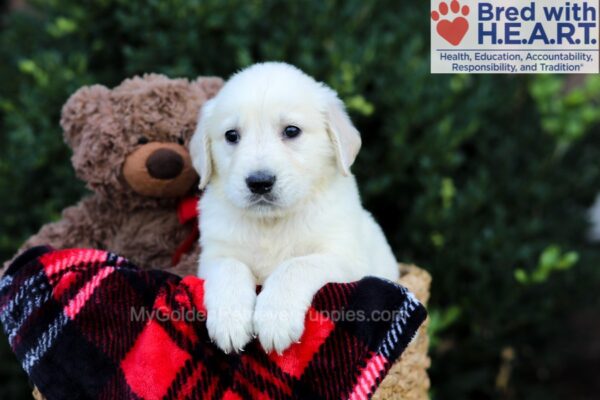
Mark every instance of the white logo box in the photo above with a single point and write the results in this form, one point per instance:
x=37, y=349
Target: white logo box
x=512, y=36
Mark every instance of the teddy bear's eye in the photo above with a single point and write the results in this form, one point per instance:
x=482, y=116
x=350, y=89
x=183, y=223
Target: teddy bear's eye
x=180, y=141
x=142, y=140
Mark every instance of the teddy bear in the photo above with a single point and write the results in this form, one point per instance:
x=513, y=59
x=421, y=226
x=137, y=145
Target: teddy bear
x=129, y=147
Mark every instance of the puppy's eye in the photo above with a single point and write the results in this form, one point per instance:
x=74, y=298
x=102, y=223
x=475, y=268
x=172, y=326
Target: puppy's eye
x=232, y=136
x=143, y=140
x=291, y=131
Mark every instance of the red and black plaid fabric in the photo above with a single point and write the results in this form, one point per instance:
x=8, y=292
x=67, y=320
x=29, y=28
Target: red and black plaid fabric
x=87, y=324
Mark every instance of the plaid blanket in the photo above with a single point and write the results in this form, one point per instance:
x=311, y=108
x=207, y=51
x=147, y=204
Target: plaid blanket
x=87, y=324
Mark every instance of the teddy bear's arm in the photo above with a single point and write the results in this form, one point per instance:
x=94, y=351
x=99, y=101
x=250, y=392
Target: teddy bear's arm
x=78, y=227
x=72, y=230
x=188, y=265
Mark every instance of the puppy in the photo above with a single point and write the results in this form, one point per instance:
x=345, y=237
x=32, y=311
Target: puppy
x=280, y=207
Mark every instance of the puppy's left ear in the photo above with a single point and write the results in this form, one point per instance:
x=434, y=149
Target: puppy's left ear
x=343, y=134
x=200, y=145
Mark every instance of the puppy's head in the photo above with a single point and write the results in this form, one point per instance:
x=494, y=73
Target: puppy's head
x=272, y=138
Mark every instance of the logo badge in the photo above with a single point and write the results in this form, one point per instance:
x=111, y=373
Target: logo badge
x=514, y=36
x=451, y=23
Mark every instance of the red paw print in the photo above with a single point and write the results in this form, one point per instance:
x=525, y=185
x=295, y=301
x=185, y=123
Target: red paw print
x=453, y=31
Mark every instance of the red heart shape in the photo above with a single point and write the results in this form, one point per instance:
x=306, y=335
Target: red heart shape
x=453, y=31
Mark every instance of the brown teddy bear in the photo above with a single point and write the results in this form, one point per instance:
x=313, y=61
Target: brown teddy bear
x=129, y=146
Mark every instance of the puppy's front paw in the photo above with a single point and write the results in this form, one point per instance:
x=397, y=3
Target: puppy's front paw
x=279, y=319
x=229, y=320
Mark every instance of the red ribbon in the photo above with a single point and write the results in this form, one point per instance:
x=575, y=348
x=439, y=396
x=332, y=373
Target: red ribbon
x=187, y=211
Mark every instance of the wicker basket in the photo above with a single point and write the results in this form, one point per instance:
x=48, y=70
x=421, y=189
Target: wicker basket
x=407, y=379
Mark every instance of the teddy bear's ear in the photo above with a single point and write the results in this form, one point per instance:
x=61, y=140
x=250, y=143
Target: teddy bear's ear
x=210, y=85
x=81, y=108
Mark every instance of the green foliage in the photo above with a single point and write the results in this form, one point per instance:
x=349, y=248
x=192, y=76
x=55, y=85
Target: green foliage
x=472, y=177
x=439, y=321
x=568, y=116
x=551, y=259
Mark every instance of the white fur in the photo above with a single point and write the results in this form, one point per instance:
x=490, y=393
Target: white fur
x=312, y=232
x=594, y=219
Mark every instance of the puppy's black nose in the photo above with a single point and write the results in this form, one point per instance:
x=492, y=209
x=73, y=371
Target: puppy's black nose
x=260, y=182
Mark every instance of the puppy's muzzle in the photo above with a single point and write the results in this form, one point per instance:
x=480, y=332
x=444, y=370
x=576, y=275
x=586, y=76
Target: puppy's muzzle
x=260, y=182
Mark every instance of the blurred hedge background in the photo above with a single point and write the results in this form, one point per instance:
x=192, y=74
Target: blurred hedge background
x=483, y=180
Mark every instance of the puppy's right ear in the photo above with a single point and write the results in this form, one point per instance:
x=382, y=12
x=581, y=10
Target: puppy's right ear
x=200, y=145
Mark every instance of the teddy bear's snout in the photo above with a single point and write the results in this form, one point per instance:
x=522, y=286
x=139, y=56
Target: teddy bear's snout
x=164, y=164
x=160, y=169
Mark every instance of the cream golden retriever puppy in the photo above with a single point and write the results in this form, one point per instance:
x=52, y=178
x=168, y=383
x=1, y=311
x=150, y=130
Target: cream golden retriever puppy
x=280, y=208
